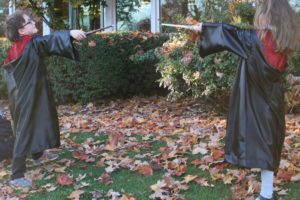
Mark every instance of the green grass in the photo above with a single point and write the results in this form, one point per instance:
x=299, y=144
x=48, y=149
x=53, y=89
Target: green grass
x=129, y=182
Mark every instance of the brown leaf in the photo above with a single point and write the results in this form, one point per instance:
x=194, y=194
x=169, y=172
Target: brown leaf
x=106, y=179
x=295, y=178
x=127, y=197
x=23, y=196
x=156, y=164
x=203, y=182
x=189, y=178
x=64, y=179
x=197, y=162
x=284, y=175
x=115, y=140
x=3, y=173
x=92, y=43
x=180, y=170
x=80, y=155
x=216, y=154
x=76, y=194
x=145, y=170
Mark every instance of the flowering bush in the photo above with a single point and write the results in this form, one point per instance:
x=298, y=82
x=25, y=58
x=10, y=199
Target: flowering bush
x=185, y=73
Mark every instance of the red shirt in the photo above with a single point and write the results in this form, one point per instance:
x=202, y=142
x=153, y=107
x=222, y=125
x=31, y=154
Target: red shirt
x=275, y=59
x=17, y=48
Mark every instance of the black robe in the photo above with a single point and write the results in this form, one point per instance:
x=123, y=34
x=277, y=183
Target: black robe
x=31, y=101
x=256, y=119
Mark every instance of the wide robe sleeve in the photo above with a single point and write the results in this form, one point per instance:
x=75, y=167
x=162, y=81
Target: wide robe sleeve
x=217, y=37
x=58, y=43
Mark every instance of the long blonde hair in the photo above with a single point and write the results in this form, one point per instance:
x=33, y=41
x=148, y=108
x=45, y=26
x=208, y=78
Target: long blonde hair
x=278, y=17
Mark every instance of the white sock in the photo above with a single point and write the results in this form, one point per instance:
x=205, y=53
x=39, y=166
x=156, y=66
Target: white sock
x=267, y=179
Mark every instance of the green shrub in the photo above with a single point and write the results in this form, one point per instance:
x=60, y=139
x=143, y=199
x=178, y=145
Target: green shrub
x=107, y=69
x=4, y=45
x=246, y=11
x=294, y=63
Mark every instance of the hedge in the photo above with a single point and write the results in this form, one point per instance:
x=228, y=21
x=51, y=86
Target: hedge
x=106, y=69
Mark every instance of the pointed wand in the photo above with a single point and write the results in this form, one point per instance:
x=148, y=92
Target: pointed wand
x=189, y=27
x=97, y=30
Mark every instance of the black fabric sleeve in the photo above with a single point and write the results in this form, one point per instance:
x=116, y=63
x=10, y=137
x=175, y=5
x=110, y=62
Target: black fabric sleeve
x=217, y=37
x=57, y=43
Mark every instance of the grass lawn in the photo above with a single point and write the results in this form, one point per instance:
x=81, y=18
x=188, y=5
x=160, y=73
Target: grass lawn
x=127, y=182
x=149, y=148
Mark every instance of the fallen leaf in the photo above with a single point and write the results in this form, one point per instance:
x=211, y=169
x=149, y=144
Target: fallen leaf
x=106, y=179
x=295, y=178
x=145, y=170
x=76, y=194
x=284, y=175
x=189, y=178
x=64, y=179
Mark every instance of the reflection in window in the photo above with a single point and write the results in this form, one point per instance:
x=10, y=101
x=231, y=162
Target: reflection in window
x=61, y=14
x=86, y=16
x=295, y=4
x=177, y=11
x=3, y=13
x=133, y=15
x=89, y=15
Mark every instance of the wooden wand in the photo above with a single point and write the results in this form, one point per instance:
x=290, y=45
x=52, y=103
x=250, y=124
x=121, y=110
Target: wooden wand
x=97, y=30
x=189, y=27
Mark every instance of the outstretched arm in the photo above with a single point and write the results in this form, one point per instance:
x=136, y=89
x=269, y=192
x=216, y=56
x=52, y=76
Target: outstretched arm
x=217, y=37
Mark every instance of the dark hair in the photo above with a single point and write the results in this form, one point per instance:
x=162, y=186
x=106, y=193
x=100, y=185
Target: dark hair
x=14, y=22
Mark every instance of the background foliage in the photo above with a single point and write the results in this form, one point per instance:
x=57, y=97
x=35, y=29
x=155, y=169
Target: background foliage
x=4, y=44
x=185, y=74
x=106, y=68
x=122, y=64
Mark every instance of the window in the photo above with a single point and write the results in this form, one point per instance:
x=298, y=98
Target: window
x=134, y=15
x=3, y=13
x=86, y=16
x=176, y=11
x=89, y=15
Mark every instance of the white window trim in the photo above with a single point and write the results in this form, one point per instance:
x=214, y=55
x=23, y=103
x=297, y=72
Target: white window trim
x=46, y=28
x=11, y=7
x=110, y=15
x=155, y=16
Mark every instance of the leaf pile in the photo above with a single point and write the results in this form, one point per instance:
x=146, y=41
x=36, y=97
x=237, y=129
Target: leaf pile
x=192, y=136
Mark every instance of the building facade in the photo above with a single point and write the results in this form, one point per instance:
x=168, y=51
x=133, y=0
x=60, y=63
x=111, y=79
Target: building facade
x=145, y=15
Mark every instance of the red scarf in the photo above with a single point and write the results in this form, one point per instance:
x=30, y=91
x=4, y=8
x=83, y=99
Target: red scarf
x=274, y=58
x=17, y=48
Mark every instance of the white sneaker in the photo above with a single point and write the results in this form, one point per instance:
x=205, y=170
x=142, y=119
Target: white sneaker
x=46, y=157
x=20, y=183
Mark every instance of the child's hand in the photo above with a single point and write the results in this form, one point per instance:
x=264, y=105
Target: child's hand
x=78, y=34
x=197, y=27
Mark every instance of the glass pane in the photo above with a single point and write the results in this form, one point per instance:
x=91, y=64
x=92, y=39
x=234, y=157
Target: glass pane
x=133, y=15
x=3, y=14
x=296, y=4
x=61, y=14
x=89, y=16
x=177, y=11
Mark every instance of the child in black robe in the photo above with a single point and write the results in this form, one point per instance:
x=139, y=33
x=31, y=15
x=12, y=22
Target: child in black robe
x=32, y=105
x=256, y=119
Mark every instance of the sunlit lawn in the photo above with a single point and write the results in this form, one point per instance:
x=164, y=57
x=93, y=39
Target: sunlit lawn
x=129, y=182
